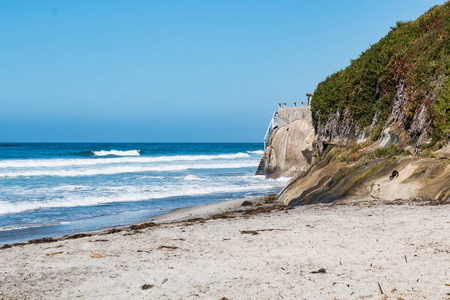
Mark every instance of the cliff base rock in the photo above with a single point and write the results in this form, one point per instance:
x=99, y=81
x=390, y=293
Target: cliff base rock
x=334, y=179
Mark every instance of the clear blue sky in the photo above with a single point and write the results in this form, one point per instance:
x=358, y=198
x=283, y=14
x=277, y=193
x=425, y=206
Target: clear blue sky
x=173, y=71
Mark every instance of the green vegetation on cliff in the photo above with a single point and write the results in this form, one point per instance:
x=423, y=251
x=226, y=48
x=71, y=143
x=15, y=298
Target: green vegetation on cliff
x=414, y=57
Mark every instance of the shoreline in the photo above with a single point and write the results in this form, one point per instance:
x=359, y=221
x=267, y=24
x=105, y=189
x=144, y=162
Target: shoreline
x=196, y=212
x=353, y=250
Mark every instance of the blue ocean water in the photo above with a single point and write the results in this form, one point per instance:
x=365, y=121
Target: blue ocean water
x=53, y=189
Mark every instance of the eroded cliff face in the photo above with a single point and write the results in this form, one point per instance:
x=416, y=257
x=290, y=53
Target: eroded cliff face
x=289, y=150
x=397, y=91
x=341, y=129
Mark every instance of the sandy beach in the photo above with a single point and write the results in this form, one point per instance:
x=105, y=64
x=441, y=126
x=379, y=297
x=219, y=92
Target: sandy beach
x=353, y=251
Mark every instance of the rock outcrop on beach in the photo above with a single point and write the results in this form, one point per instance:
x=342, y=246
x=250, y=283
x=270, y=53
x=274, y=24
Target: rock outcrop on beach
x=391, y=177
x=289, y=149
x=381, y=126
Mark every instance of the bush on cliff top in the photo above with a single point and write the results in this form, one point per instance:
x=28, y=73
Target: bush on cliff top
x=416, y=53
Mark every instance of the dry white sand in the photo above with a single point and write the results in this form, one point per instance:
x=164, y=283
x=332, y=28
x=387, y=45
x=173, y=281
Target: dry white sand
x=402, y=250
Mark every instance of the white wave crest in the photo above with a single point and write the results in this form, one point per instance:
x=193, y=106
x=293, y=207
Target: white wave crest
x=192, y=177
x=187, y=190
x=283, y=179
x=126, y=169
x=117, y=153
x=259, y=152
x=58, y=162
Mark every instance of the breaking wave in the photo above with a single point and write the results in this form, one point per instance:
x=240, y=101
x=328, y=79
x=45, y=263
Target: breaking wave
x=117, y=153
x=59, y=162
x=259, y=152
x=127, y=169
x=192, y=177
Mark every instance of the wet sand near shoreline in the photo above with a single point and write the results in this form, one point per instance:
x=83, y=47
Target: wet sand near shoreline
x=262, y=250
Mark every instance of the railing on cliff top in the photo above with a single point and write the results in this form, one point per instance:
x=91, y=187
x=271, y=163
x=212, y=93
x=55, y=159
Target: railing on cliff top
x=273, y=122
x=295, y=104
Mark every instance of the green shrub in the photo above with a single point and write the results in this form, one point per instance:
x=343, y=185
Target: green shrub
x=415, y=53
x=375, y=134
x=426, y=153
x=406, y=153
x=386, y=151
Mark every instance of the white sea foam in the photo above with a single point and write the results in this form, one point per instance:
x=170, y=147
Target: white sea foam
x=16, y=227
x=283, y=179
x=58, y=162
x=187, y=190
x=259, y=152
x=126, y=169
x=192, y=177
x=117, y=153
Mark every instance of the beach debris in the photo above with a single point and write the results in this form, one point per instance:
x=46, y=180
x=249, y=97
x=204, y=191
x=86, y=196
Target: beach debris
x=100, y=241
x=258, y=210
x=406, y=260
x=77, y=236
x=168, y=247
x=164, y=281
x=447, y=284
x=246, y=203
x=379, y=286
x=96, y=255
x=321, y=270
x=112, y=230
x=147, y=286
x=256, y=231
x=143, y=225
x=148, y=251
x=393, y=175
x=53, y=253
x=224, y=215
x=194, y=220
x=42, y=240
x=270, y=199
